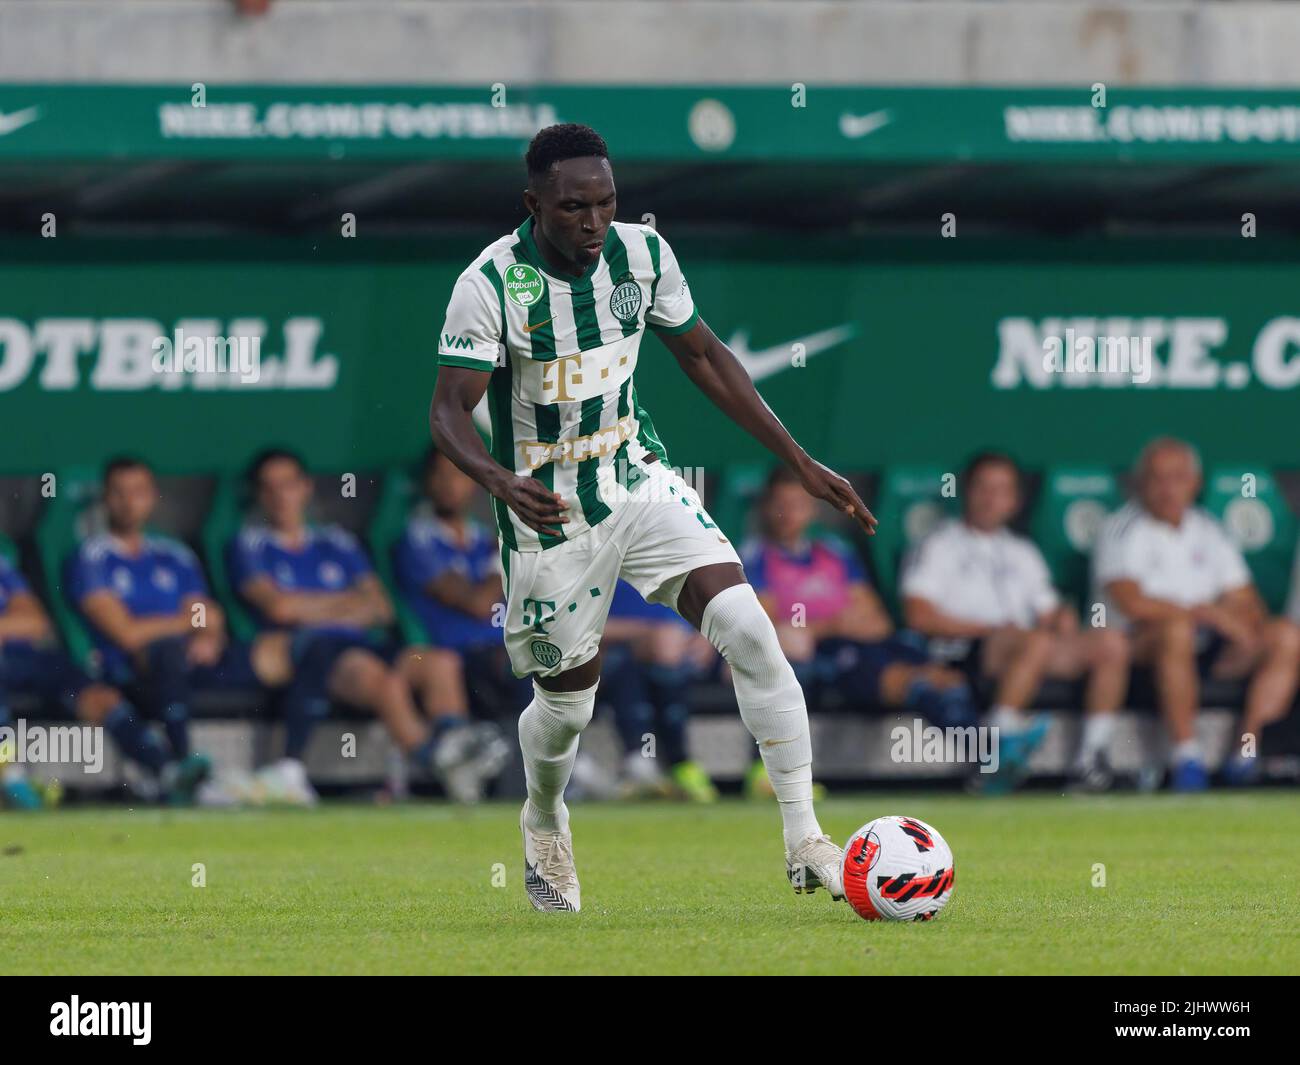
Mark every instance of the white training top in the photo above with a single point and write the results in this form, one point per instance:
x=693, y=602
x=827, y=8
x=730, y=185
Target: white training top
x=1190, y=564
x=989, y=578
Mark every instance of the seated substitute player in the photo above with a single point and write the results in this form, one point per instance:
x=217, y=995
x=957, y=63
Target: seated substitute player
x=1168, y=573
x=158, y=631
x=28, y=666
x=985, y=598
x=832, y=625
x=584, y=494
x=314, y=586
x=448, y=571
x=650, y=658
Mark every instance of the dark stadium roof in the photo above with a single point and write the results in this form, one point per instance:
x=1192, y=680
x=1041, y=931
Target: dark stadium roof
x=836, y=197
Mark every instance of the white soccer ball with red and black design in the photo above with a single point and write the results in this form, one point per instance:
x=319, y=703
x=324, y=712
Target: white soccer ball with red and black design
x=897, y=869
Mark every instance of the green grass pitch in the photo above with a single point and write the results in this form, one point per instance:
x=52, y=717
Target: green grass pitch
x=1204, y=884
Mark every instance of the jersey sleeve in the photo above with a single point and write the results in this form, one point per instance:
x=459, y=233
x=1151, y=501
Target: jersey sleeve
x=471, y=332
x=925, y=572
x=246, y=559
x=351, y=555
x=1043, y=596
x=1115, y=556
x=672, y=310
x=86, y=575
x=189, y=574
x=1230, y=566
x=420, y=559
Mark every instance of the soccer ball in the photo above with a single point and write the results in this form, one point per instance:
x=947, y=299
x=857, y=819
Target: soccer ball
x=897, y=869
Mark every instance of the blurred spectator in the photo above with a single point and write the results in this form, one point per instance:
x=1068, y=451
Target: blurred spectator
x=831, y=623
x=29, y=667
x=651, y=657
x=315, y=588
x=158, y=631
x=448, y=571
x=1167, y=571
x=985, y=598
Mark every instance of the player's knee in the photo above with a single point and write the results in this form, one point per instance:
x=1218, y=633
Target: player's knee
x=1177, y=638
x=737, y=625
x=1110, y=648
x=568, y=710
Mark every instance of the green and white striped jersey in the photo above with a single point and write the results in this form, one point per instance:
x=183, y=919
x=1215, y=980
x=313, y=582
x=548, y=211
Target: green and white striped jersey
x=561, y=351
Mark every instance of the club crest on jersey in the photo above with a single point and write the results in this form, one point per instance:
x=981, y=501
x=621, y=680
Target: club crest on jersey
x=546, y=653
x=524, y=285
x=625, y=300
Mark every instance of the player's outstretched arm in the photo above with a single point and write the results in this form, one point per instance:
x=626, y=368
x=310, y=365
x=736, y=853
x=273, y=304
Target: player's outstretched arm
x=719, y=375
x=451, y=422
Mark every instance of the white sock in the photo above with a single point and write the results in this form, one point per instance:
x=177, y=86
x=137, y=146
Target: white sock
x=1097, y=732
x=1187, y=750
x=548, y=735
x=771, y=703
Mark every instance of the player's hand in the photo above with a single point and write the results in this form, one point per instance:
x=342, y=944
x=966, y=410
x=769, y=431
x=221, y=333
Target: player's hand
x=204, y=649
x=822, y=483
x=537, y=506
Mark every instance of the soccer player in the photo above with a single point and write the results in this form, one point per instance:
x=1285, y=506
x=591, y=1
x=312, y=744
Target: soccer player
x=1167, y=571
x=314, y=586
x=650, y=657
x=156, y=627
x=985, y=598
x=832, y=624
x=547, y=321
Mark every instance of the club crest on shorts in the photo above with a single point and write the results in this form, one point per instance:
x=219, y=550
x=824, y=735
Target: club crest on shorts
x=625, y=300
x=546, y=653
x=524, y=285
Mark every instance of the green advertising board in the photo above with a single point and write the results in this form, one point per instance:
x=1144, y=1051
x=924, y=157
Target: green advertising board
x=873, y=354
x=691, y=123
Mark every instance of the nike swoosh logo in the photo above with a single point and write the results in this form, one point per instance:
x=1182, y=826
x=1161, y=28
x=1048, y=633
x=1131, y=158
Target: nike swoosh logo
x=16, y=121
x=769, y=361
x=856, y=126
x=530, y=328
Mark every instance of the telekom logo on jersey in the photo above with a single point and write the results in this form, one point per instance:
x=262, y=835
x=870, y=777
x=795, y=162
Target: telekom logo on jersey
x=583, y=375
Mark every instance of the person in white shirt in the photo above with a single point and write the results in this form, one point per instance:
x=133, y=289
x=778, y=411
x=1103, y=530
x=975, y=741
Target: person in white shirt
x=984, y=595
x=1168, y=574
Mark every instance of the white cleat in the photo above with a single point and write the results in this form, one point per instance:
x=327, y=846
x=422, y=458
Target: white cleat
x=550, y=877
x=816, y=862
x=284, y=783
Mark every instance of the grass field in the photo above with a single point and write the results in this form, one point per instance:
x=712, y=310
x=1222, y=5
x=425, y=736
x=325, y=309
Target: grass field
x=1206, y=884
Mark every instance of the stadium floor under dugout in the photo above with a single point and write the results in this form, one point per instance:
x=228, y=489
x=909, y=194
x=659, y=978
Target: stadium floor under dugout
x=1044, y=884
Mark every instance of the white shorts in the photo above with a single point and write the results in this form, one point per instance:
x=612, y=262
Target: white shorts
x=557, y=600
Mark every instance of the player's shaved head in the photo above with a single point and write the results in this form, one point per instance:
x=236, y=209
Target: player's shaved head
x=571, y=197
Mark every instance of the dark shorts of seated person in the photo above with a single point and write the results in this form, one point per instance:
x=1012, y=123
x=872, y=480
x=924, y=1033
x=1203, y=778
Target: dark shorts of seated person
x=167, y=674
x=853, y=668
x=315, y=652
x=48, y=674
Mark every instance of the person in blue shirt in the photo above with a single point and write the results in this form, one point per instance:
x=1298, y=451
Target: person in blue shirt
x=314, y=587
x=651, y=657
x=30, y=665
x=448, y=571
x=158, y=631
